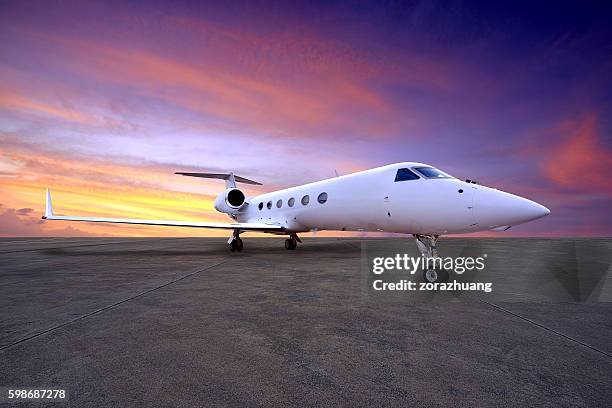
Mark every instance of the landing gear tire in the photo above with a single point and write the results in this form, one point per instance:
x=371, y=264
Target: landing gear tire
x=435, y=275
x=239, y=244
x=236, y=245
x=290, y=243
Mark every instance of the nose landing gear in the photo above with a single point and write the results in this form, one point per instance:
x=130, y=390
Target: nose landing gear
x=427, y=245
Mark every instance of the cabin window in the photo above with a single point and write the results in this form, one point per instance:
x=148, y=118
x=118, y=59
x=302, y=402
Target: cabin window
x=322, y=198
x=291, y=202
x=430, y=172
x=279, y=203
x=269, y=205
x=405, y=174
x=305, y=200
x=260, y=206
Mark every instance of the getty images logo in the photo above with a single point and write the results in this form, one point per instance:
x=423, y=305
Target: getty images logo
x=403, y=262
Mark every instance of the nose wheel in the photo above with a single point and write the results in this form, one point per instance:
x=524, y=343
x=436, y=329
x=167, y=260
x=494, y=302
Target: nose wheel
x=435, y=275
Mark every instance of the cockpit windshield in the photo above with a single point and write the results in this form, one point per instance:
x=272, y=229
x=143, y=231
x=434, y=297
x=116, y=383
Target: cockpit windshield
x=430, y=172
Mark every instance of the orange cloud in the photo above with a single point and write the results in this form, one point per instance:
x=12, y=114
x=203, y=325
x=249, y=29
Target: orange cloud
x=94, y=187
x=97, y=186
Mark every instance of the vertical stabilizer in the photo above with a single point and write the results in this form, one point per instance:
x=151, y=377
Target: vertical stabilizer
x=230, y=181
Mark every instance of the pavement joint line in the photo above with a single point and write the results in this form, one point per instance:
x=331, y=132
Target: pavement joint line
x=65, y=247
x=349, y=243
x=565, y=336
x=100, y=310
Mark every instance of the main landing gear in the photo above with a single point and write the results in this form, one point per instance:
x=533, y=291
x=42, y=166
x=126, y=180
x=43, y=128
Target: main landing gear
x=427, y=245
x=235, y=243
x=291, y=242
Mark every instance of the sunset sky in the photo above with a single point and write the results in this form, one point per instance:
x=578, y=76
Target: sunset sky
x=102, y=102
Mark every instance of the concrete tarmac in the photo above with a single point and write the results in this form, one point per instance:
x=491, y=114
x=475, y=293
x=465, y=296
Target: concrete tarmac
x=186, y=323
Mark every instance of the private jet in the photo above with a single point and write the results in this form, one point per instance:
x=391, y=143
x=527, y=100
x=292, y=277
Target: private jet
x=409, y=198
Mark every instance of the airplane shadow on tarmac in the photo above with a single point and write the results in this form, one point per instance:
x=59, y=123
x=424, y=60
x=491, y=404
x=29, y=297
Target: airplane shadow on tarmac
x=211, y=249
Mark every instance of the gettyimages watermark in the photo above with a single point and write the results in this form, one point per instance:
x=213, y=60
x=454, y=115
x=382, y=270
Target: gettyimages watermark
x=530, y=270
x=448, y=267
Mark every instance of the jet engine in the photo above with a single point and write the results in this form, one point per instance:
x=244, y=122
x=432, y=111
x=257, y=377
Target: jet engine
x=230, y=201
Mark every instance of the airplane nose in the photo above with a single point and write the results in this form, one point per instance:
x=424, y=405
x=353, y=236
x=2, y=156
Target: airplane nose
x=495, y=208
x=533, y=210
x=542, y=211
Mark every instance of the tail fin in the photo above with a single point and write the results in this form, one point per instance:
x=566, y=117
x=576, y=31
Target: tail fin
x=230, y=178
x=48, y=206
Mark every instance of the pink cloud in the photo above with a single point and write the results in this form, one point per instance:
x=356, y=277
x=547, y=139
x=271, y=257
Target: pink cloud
x=579, y=161
x=17, y=223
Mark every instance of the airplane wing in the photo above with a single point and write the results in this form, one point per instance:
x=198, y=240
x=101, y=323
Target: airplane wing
x=243, y=226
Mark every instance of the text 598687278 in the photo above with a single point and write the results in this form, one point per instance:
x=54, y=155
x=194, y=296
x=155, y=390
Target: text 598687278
x=10, y=394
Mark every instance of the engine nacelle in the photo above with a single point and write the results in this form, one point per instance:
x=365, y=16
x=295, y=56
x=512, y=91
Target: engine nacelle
x=230, y=201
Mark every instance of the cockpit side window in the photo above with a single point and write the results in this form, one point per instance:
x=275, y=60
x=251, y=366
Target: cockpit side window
x=405, y=174
x=430, y=172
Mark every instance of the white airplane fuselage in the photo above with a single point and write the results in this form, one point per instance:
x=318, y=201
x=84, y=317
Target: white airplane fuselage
x=372, y=200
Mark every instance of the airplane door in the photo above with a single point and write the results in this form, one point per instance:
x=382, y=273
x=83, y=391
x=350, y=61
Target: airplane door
x=470, y=201
x=463, y=216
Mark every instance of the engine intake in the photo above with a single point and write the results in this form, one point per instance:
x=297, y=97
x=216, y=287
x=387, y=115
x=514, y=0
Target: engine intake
x=235, y=198
x=231, y=200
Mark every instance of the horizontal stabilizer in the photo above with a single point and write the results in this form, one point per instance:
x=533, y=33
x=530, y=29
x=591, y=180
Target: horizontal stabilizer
x=221, y=176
